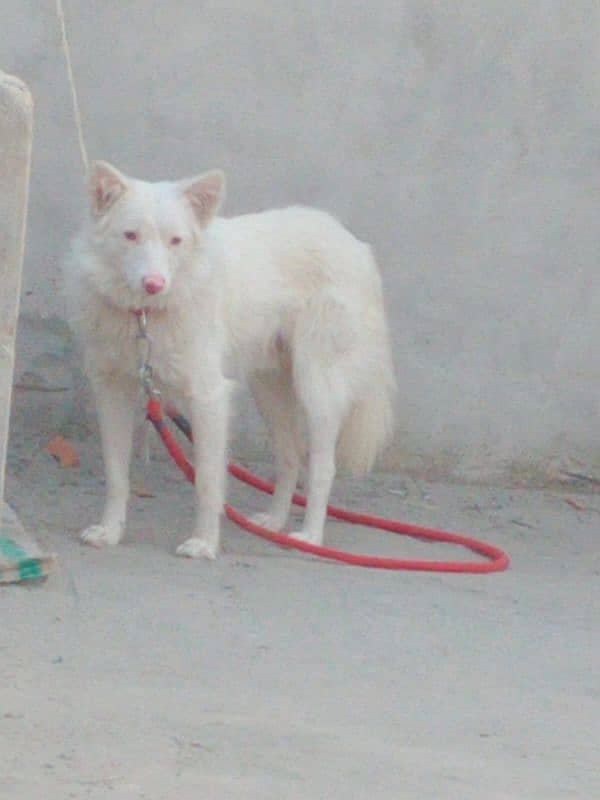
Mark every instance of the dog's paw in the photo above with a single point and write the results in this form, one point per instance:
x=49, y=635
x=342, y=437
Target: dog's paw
x=307, y=536
x=101, y=536
x=266, y=520
x=197, y=548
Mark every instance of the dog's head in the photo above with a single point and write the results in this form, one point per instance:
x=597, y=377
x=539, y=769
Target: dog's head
x=144, y=233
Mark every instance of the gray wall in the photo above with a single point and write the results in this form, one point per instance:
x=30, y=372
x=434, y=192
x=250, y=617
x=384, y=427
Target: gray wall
x=462, y=139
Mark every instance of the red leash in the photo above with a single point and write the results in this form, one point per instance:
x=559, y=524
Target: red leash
x=497, y=560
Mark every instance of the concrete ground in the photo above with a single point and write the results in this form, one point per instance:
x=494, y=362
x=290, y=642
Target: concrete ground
x=269, y=675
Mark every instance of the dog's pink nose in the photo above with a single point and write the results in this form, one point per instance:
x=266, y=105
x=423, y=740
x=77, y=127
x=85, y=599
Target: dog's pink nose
x=153, y=284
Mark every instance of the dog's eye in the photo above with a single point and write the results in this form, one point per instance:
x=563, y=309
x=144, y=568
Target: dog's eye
x=176, y=240
x=131, y=236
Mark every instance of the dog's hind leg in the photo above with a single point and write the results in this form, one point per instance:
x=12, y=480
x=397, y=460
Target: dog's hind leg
x=275, y=400
x=324, y=401
x=115, y=402
x=322, y=433
x=323, y=349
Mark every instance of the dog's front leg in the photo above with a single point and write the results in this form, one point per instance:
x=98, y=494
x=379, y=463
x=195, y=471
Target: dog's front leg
x=115, y=402
x=209, y=413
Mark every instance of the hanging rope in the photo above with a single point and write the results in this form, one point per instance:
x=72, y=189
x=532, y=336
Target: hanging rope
x=75, y=100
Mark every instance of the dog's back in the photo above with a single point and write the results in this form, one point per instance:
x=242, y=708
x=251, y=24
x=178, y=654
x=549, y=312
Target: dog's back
x=297, y=278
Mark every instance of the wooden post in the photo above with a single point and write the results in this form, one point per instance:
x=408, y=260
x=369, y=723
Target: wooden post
x=16, y=124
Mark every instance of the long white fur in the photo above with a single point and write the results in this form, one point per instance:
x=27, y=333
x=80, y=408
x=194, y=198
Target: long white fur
x=287, y=299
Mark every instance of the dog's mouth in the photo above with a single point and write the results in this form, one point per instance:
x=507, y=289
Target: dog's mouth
x=149, y=295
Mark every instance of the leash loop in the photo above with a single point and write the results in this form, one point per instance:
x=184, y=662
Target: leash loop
x=496, y=559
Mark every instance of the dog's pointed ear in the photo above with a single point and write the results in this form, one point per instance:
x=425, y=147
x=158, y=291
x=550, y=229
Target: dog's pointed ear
x=205, y=194
x=106, y=185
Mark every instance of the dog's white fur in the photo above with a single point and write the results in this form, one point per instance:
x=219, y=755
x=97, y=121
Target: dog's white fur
x=288, y=298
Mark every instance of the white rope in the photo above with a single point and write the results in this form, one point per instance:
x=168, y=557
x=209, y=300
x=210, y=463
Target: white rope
x=76, y=109
x=146, y=440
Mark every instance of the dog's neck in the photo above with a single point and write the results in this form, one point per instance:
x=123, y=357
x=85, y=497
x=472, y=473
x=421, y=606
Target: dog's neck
x=139, y=312
x=136, y=311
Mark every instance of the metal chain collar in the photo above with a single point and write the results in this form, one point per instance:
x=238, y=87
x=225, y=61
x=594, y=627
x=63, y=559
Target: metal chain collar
x=143, y=342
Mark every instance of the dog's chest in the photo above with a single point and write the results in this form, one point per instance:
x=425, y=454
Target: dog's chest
x=178, y=347
x=175, y=355
x=122, y=346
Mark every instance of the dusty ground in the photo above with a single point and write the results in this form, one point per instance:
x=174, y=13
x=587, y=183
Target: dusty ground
x=271, y=676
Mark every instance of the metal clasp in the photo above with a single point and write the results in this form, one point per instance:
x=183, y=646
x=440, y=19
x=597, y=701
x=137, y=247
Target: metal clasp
x=143, y=342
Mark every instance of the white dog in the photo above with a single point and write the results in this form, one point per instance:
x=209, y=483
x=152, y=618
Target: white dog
x=288, y=299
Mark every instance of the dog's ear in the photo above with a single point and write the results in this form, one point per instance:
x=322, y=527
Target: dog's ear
x=205, y=194
x=106, y=185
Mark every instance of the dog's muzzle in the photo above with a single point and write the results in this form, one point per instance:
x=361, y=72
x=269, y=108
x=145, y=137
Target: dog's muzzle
x=153, y=284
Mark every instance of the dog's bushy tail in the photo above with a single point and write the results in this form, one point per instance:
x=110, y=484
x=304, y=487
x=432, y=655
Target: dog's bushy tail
x=370, y=422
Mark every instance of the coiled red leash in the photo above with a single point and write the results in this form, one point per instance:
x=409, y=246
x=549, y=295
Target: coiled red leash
x=497, y=560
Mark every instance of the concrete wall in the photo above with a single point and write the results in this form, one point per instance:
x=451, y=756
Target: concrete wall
x=461, y=139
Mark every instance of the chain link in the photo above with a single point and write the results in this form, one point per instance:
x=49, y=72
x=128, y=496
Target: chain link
x=144, y=352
